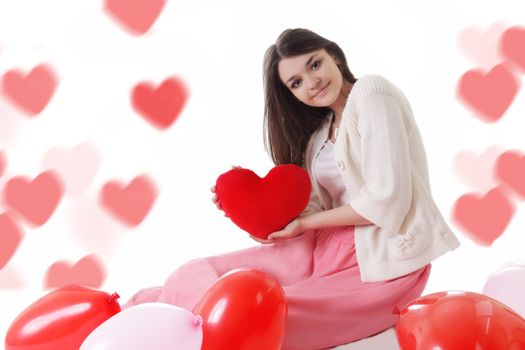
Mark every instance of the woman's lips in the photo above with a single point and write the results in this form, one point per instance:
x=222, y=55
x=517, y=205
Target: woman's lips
x=322, y=90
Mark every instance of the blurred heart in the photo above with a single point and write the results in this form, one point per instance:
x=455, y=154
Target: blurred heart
x=512, y=45
x=490, y=94
x=482, y=46
x=262, y=206
x=160, y=106
x=477, y=171
x=484, y=218
x=137, y=16
x=10, y=237
x=129, y=203
x=77, y=166
x=30, y=92
x=3, y=162
x=88, y=271
x=510, y=169
x=35, y=200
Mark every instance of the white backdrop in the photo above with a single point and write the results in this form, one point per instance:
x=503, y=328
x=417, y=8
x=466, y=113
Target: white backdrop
x=217, y=48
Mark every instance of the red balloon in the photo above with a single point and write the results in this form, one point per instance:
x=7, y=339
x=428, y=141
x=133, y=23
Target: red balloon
x=245, y=309
x=457, y=320
x=62, y=319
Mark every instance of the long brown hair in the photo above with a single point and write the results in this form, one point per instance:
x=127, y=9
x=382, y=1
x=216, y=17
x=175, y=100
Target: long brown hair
x=289, y=123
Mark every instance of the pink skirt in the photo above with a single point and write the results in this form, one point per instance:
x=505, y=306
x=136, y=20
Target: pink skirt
x=328, y=304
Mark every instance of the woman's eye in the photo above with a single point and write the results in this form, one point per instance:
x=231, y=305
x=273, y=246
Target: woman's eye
x=315, y=65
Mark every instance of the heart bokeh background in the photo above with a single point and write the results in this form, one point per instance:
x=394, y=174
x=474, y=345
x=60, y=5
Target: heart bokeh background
x=115, y=122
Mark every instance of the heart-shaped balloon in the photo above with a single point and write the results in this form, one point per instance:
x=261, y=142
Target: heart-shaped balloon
x=262, y=206
x=245, y=309
x=458, y=320
x=61, y=319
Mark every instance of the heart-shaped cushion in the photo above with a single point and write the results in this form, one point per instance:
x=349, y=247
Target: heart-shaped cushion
x=262, y=206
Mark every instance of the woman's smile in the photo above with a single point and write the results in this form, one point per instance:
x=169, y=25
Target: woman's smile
x=322, y=92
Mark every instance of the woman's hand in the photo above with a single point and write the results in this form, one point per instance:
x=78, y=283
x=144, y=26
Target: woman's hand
x=260, y=240
x=215, y=199
x=293, y=229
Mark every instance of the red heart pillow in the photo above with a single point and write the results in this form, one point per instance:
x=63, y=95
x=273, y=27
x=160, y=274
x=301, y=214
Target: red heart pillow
x=263, y=206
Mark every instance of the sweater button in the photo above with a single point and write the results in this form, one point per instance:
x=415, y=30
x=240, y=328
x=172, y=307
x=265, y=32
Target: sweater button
x=341, y=165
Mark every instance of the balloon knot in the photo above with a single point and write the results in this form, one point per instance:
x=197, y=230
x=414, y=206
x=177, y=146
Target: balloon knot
x=396, y=311
x=113, y=297
x=197, y=321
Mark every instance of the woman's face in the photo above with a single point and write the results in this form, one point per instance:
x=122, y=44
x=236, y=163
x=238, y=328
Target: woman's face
x=314, y=78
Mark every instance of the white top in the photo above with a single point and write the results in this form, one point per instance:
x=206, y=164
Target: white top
x=328, y=176
x=380, y=156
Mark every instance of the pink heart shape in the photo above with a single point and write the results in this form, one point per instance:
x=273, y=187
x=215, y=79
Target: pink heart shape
x=488, y=94
x=482, y=46
x=88, y=270
x=512, y=45
x=484, y=218
x=31, y=92
x=35, y=200
x=137, y=16
x=10, y=238
x=3, y=162
x=12, y=278
x=162, y=105
x=77, y=167
x=477, y=170
x=131, y=203
x=510, y=169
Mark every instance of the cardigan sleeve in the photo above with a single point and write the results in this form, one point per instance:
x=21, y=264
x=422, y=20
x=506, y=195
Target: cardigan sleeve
x=386, y=195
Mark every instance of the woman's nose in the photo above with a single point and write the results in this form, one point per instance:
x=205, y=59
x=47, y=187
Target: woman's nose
x=315, y=83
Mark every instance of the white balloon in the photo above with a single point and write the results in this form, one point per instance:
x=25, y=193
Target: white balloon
x=507, y=285
x=155, y=326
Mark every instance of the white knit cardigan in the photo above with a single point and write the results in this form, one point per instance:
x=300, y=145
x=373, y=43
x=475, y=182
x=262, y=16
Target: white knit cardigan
x=382, y=161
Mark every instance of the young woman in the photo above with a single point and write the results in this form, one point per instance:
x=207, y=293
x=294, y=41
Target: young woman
x=364, y=244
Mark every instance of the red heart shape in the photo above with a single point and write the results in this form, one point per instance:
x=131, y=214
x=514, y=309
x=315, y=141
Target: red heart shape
x=136, y=15
x=262, y=206
x=10, y=237
x=512, y=45
x=489, y=94
x=510, y=168
x=35, y=200
x=88, y=271
x=163, y=105
x=484, y=218
x=32, y=92
x=131, y=203
x=61, y=319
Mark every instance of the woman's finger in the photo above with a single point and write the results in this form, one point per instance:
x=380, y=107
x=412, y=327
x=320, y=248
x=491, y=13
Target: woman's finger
x=260, y=240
